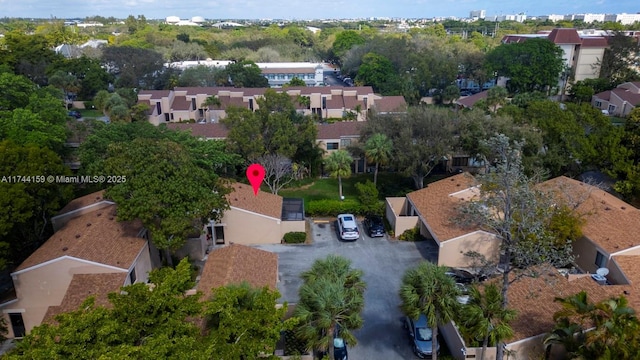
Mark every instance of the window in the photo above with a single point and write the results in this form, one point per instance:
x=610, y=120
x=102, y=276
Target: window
x=345, y=142
x=166, y=117
x=611, y=109
x=600, y=260
x=193, y=103
x=17, y=324
x=132, y=276
x=332, y=146
x=159, y=107
x=598, y=103
x=171, y=116
x=460, y=161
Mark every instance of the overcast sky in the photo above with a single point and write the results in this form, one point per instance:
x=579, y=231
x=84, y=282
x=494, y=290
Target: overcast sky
x=305, y=9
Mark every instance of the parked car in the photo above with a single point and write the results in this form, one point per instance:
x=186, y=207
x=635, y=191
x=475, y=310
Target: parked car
x=421, y=336
x=464, y=276
x=339, y=347
x=347, y=227
x=74, y=113
x=374, y=225
x=464, y=297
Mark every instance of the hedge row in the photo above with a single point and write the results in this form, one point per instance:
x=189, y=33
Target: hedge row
x=333, y=207
x=295, y=237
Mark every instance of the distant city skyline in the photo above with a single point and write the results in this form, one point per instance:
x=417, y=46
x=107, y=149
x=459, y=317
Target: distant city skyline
x=304, y=9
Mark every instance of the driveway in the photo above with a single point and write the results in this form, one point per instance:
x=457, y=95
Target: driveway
x=383, y=262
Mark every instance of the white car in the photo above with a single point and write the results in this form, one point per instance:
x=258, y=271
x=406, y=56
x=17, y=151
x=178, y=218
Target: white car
x=347, y=227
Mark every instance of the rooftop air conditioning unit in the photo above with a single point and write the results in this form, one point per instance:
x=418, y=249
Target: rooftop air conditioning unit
x=599, y=279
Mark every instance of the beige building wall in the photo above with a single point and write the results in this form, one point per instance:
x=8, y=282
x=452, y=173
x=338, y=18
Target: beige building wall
x=394, y=210
x=291, y=226
x=586, y=63
x=247, y=228
x=45, y=286
x=452, y=251
x=528, y=349
x=585, y=252
x=616, y=275
x=142, y=265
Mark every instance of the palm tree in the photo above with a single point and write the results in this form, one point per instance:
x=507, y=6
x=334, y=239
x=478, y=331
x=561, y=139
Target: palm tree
x=331, y=299
x=212, y=100
x=378, y=149
x=496, y=96
x=339, y=166
x=485, y=317
x=427, y=289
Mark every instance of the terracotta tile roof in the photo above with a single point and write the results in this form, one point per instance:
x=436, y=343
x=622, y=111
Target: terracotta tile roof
x=594, y=41
x=264, y=203
x=236, y=263
x=630, y=266
x=607, y=218
x=339, y=129
x=437, y=208
x=564, y=36
x=628, y=96
x=533, y=299
x=83, y=286
x=95, y=236
x=469, y=101
x=335, y=102
x=208, y=131
x=180, y=103
x=388, y=104
x=605, y=95
x=83, y=201
x=155, y=94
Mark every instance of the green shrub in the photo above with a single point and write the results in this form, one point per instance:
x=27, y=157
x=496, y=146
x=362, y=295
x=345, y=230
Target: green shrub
x=89, y=105
x=411, y=235
x=295, y=237
x=368, y=196
x=333, y=207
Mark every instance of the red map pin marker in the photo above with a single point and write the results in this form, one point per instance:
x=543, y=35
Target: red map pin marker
x=255, y=174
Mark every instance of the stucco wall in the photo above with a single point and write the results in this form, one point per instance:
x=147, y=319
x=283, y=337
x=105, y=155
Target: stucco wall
x=45, y=286
x=527, y=349
x=585, y=253
x=394, y=208
x=587, y=58
x=291, y=226
x=242, y=227
x=142, y=265
x=452, y=251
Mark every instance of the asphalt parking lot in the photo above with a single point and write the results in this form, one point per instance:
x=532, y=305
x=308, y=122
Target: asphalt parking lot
x=383, y=262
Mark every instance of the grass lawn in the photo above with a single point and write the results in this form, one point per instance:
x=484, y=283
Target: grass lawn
x=389, y=184
x=90, y=113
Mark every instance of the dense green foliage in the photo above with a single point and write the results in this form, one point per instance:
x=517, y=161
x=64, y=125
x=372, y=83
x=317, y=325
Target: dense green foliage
x=331, y=297
x=295, y=237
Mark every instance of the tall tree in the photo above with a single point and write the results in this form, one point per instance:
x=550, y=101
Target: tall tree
x=242, y=73
x=144, y=322
x=619, y=63
x=164, y=188
x=496, y=96
x=519, y=216
x=26, y=205
x=279, y=171
x=244, y=322
x=133, y=67
x=530, y=65
x=484, y=317
x=273, y=128
x=331, y=298
x=378, y=149
x=427, y=289
x=338, y=163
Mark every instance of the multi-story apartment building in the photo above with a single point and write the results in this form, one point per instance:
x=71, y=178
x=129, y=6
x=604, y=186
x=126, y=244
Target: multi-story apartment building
x=187, y=103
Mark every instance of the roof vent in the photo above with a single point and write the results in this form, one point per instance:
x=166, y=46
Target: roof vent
x=65, y=248
x=88, y=224
x=77, y=236
x=623, y=207
x=99, y=214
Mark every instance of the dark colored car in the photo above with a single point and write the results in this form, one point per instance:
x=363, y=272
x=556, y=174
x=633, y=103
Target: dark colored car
x=75, y=114
x=339, y=347
x=465, y=277
x=421, y=336
x=374, y=225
